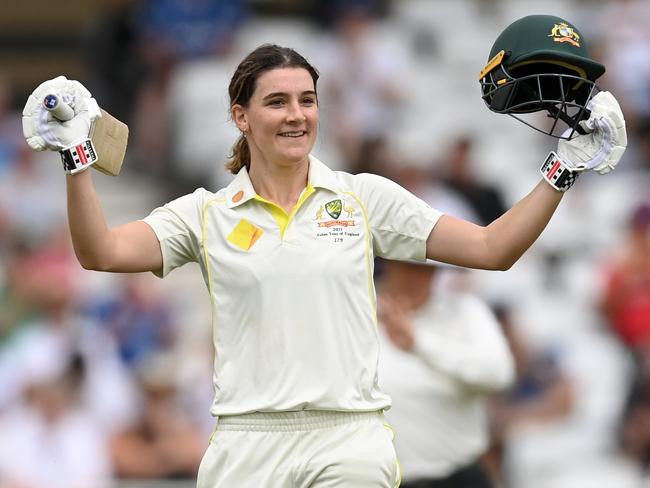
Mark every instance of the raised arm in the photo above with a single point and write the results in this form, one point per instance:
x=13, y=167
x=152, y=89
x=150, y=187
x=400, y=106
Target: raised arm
x=499, y=245
x=58, y=116
x=503, y=242
x=129, y=248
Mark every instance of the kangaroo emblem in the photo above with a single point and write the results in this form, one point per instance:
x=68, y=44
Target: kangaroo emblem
x=349, y=210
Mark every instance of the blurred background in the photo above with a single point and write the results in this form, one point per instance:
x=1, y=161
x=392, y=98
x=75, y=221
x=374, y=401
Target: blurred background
x=108, y=377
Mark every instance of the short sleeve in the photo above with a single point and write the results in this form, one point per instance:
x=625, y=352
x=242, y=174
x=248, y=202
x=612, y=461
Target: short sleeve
x=400, y=221
x=178, y=228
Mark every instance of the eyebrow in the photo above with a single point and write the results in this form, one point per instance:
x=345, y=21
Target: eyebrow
x=284, y=94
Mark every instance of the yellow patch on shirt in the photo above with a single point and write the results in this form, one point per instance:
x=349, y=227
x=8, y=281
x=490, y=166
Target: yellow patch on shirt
x=245, y=235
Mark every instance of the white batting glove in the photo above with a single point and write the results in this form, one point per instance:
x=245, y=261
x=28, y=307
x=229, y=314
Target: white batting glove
x=602, y=147
x=43, y=131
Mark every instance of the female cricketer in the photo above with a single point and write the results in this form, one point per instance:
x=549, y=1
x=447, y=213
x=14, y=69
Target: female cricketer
x=286, y=251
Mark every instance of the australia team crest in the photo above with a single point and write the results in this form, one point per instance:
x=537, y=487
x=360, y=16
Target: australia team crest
x=340, y=213
x=562, y=32
x=334, y=208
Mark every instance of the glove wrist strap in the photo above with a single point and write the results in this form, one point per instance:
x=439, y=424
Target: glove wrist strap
x=557, y=173
x=79, y=157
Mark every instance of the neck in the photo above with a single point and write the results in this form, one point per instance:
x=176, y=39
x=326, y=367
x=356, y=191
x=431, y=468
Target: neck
x=280, y=184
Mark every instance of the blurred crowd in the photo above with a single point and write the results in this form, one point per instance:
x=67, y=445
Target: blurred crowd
x=108, y=378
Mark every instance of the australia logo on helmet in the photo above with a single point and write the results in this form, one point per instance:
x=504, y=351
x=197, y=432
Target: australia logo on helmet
x=562, y=32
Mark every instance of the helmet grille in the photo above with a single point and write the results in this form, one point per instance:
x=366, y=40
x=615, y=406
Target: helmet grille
x=539, y=86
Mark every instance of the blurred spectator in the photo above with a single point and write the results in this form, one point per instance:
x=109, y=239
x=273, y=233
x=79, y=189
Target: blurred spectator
x=438, y=333
x=163, y=442
x=542, y=394
x=38, y=282
x=48, y=441
x=443, y=354
x=15, y=309
x=626, y=302
x=626, y=305
x=38, y=310
x=457, y=172
x=419, y=180
x=138, y=315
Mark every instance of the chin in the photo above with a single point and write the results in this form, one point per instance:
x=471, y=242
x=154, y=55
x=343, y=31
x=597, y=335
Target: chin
x=293, y=161
x=295, y=156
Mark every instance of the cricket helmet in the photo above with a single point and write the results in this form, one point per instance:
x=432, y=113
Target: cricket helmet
x=541, y=63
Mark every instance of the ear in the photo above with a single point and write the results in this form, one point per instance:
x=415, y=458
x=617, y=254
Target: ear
x=238, y=114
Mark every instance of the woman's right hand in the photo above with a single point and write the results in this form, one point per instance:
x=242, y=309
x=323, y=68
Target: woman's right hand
x=43, y=131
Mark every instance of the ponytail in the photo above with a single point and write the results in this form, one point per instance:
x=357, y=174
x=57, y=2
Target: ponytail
x=241, y=156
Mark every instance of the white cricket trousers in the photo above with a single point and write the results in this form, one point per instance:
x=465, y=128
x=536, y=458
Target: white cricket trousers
x=315, y=449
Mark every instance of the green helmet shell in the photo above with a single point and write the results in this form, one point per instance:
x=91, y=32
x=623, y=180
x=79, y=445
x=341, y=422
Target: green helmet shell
x=546, y=39
x=541, y=63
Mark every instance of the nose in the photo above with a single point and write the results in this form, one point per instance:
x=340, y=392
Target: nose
x=295, y=113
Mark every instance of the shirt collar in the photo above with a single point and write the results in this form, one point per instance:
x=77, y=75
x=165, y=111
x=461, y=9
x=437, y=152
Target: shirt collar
x=320, y=176
x=240, y=190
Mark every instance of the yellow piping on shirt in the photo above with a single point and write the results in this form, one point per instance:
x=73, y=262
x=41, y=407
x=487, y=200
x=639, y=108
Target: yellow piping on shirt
x=206, y=262
x=371, y=295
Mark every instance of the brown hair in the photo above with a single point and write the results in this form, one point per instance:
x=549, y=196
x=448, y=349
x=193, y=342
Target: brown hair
x=242, y=86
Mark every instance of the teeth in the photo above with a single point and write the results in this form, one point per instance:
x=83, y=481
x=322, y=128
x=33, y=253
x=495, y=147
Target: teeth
x=292, y=134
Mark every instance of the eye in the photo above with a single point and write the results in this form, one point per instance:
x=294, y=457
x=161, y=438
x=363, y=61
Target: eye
x=276, y=102
x=309, y=100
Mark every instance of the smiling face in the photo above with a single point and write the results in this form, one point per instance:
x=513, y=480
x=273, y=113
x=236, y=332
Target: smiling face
x=281, y=119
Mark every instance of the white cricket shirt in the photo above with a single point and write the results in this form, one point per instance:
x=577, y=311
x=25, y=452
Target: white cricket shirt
x=293, y=299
